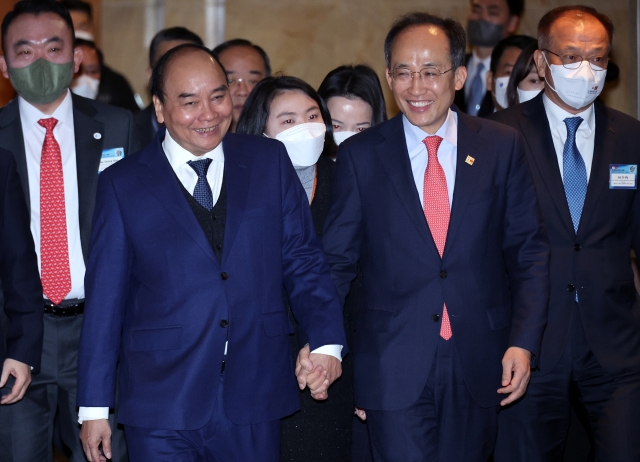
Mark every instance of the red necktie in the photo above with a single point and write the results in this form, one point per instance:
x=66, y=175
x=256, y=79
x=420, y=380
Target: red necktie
x=436, y=209
x=54, y=247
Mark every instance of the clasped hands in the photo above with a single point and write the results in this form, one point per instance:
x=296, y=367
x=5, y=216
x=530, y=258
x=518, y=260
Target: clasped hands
x=317, y=371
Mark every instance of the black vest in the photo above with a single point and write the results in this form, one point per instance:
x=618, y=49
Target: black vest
x=212, y=222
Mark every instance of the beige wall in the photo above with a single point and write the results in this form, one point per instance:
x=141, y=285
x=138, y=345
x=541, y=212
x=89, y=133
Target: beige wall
x=308, y=38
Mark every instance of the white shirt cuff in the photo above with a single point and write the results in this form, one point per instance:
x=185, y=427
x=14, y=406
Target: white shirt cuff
x=331, y=350
x=92, y=413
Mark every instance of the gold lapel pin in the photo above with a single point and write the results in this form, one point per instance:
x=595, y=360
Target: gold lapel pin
x=469, y=160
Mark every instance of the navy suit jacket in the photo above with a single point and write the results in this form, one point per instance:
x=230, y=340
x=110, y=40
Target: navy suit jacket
x=156, y=294
x=493, y=275
x=21, y=285
x=595, y=261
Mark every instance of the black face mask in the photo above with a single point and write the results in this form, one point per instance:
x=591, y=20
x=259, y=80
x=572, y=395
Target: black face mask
x=482, y=33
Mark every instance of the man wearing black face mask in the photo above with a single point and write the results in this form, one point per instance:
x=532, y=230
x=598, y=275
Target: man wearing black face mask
x=61, y=142
x=489, y=21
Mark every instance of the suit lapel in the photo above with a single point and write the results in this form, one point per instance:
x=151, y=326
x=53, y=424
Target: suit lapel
x=160, y=179
x=537, y=134
x=603, y=150
x=237, y=171
x=394, y=157
x=12, y=139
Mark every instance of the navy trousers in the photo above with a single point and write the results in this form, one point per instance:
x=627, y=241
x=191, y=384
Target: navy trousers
x=444, y=424
x=535, y=428
x=219, y=441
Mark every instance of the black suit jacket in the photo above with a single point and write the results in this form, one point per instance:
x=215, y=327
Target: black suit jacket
x=595, y=261
x=143, y=121
x=115, y=126
x=116, y=91
x=460, y=99
x=19, y=272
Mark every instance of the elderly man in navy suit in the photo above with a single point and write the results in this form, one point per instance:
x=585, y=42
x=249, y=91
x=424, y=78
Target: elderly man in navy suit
x=438, y=209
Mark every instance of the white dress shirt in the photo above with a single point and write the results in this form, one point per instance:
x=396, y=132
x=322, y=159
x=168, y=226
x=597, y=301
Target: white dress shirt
x=64, y=134
x=472, y=70
x=447, y=152
x=178, y=158
x=585, y=136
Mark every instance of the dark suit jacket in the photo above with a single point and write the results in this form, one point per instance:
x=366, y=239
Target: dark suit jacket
x=493, y=274
x=116, y=91
x=156, y=293
x=143, y=121
x=596, y=261
x=460, y=99
x=19, y=272
x=115, y=126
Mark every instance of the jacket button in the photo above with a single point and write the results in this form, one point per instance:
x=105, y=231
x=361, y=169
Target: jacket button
x=224, y=276
x=435, y=317
x=571, y=288
x=224, y=323
x=577, y=247
x=443, y=274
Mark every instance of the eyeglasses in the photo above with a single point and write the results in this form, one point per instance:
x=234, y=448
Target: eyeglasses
x=597, y=63
x=249, y=82
x=427, y=74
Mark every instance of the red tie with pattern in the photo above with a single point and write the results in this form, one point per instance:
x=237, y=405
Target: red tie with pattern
x=54, y=247
x=436, y=209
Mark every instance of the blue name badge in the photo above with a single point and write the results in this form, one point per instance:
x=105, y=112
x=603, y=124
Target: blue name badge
x=623, y=176
x=110, y=157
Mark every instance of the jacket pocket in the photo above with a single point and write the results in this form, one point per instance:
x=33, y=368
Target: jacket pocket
x=163, y=338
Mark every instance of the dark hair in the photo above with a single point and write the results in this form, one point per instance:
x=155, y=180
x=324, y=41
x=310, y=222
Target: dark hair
x=92, y=45
x=356, y=82
x=36, y=8
x=160, y=69
x=78, y=5
x=547, y=21
x=521, y=70
x=255, y=111
x=516, y=7
x=244, y=43
x=452, y=29
x=168, y=35
x=515, y=41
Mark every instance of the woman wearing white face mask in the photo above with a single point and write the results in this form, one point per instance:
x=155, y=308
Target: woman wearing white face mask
x=290, y=110
x=525, y=83
x=354, y=98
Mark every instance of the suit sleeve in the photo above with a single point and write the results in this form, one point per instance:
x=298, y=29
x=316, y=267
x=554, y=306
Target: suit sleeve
x=343, y=231
x=135, y=143
x=311, y=292
x=22, y=289
x=526, y=252
x=106, y=286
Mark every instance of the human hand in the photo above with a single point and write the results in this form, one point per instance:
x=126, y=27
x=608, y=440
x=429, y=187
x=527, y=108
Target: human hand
x=361, y=413
x=22, y=373
x=317, y=371
x=516, y=372
x=94, y=433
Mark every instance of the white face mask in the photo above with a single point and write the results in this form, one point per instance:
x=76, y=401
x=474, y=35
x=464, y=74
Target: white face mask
x=85, y=86
x=500, y=91
x=527, y=95
x=339, y=137
x=576, y=87
x=304, y=143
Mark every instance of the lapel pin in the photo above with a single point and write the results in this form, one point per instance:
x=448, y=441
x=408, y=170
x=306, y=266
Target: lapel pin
x=97, y=136
x=469, y=160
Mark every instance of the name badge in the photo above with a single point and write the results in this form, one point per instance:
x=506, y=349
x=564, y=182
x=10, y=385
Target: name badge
x=622, y=176
x=110, y=157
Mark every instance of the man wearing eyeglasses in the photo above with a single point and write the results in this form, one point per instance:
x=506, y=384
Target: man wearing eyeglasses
x=246, y=65
x=439, y=211
x=584, y=158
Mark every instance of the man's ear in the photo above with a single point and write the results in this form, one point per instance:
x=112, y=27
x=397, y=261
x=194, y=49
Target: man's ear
x=3, y=67
x=541, y=64
x=489, y=81
x=512, y=25
x=78, y=54
x=389, y=79
x=460, y=77
x=157, y=105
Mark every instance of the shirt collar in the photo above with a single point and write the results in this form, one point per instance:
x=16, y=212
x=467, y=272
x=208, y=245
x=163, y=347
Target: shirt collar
x=556, y=115
x=415, y=135
x=476, y=60
x=30, y=115
x=177, y=155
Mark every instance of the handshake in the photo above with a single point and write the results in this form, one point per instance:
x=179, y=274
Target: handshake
x=317, y=371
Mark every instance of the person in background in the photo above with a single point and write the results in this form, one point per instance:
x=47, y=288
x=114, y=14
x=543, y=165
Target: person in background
x=246, y=64
x=146, y=122
x=114, y=88
x=354, y=98
x=525, y=83
x=61, y=142
x=489, y=21
x=584, y=159
x=86, y=82
x=290, y=110
x=503, y=58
